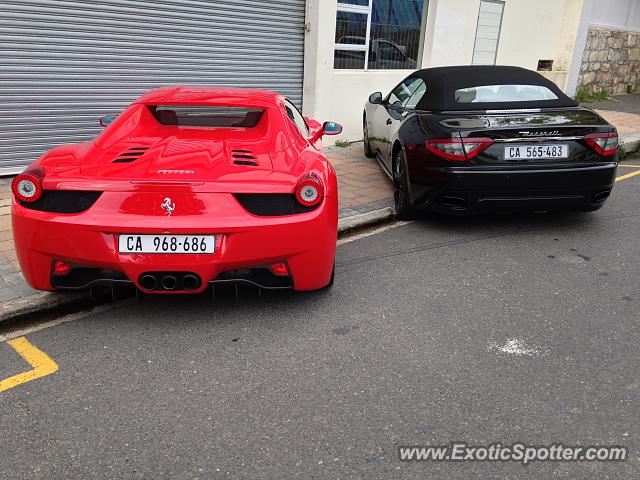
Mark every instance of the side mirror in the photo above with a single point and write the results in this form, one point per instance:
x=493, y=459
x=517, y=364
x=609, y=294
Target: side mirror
x=107, y=119
x=331, y=128
x=375, y=98
x=327, y=128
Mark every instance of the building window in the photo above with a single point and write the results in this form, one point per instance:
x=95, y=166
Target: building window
x=485, y=48
x=379, y=34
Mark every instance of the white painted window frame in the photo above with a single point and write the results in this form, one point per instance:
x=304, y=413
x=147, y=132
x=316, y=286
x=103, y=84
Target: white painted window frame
x=363, y=10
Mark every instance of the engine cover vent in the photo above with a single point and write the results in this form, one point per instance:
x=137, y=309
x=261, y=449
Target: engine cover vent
x=130, y=155
x=243, y=157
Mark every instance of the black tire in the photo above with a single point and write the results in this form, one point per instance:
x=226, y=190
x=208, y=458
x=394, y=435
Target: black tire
x=401, y=199
x=365, y=140
x=333, y=276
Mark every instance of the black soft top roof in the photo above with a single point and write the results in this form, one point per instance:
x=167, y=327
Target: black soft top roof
x=442, y=82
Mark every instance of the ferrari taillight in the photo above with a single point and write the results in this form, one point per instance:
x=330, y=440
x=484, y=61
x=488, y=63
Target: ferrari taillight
x=458, y=149
x=603, y=143
x=27, y=187
x=309, y=190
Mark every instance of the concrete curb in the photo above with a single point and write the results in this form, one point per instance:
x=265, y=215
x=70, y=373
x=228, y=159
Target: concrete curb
x=354, y=222
x=630, y=141
x=41, y=302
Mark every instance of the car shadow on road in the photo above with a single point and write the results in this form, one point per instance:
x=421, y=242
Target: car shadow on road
x=222, y=306
x=528, y=220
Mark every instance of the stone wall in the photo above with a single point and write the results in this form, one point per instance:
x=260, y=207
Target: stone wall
x=611, y=61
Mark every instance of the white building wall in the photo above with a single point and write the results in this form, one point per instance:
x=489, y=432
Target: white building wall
x=540, y=30
x=616, y=14
x=451, y=32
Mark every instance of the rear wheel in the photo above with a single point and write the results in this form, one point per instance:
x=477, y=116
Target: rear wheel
x=368, y=152
x=401, y=199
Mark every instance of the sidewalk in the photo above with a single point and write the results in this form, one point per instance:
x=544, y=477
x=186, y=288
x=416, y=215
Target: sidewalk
x=628, y=126
x=365, y=197
x=623, y=111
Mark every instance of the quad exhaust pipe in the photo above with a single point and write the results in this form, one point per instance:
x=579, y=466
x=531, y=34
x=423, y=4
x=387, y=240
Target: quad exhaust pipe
x=148, y=282
x=454, y=201
x=169, y=281
x=600, y=197
x=191, y=282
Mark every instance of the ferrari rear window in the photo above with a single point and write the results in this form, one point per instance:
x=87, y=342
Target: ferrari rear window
x=206, y=116
x=504, y=93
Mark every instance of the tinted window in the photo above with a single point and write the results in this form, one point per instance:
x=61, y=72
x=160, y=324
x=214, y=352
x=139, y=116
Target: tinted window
x=419, y=89
x=389, y=52
x=504, y=93
x=207, y=116
x=296, y=117
x=403, y=92
x=395, y=33
x=351, y=28
x=389, y=29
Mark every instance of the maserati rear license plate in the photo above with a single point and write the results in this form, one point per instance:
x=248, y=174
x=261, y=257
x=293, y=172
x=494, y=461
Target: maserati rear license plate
x=531, y=152
x=166, y=243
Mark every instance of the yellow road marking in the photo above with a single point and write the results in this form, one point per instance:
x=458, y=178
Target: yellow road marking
x=40, y=361
x=628, y=175
x=628, y=165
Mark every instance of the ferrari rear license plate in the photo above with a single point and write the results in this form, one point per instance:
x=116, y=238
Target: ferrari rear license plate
x=166, y=243
x=531, y=152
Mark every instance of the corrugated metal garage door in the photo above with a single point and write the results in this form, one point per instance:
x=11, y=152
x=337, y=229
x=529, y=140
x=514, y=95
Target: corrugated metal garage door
x=65, y=63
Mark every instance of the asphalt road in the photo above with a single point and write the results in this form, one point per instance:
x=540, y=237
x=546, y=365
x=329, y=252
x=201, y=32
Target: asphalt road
x=490, y=329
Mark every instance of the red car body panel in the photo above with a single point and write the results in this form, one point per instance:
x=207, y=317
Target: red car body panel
x=195, y=167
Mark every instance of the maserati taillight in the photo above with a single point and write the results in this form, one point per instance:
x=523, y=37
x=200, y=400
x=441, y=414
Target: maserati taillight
x=603, y=143
x=27, y=187
x=458, y=149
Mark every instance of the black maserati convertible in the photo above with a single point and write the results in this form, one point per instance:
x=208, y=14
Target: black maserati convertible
x=470, y=139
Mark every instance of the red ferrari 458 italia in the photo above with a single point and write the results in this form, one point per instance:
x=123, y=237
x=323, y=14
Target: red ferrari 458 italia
x=187, y=187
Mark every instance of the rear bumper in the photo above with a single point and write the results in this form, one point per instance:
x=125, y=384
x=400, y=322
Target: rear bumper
x=306, y=242
x=473, y=190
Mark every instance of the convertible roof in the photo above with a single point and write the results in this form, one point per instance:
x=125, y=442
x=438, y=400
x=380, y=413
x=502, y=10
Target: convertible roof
x=230, y=97
x=442, y=82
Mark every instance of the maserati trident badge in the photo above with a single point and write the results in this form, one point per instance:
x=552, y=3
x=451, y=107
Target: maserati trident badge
x=168, y=206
